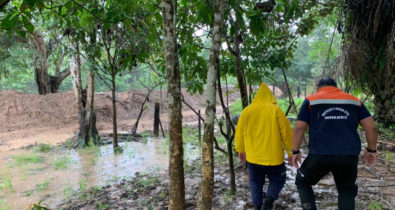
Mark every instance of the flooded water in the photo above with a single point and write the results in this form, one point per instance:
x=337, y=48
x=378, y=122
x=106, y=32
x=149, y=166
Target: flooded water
x=29, y=176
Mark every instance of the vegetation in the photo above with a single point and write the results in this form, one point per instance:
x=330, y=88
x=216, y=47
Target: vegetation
x=40, y=187
x=27, y=159
x=6, y=184
x=62, y=163
x=43, y=147
x=202, y=46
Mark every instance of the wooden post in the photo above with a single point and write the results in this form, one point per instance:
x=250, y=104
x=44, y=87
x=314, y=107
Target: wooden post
x=200, y=126
x=156, y=119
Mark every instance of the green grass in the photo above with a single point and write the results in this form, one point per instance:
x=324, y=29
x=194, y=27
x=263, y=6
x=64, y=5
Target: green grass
x=118, y=150
x=43, y=147
x=165, y=145
x=375, y=205
x=62, y=163
x=83, y=184
x=69, y=192
x=142, y=182
x=6, y=183
x=40, y=187
x=69, y=144
x=4, y=205
x=389, y=156
x=27, y=159
x=190, y=135
x=236, y=107
x=102, y=205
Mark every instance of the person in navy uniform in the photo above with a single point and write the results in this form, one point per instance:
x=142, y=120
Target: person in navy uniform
x=334, y=146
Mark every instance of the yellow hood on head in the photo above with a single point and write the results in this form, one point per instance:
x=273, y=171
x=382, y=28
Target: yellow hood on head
x=264, y=95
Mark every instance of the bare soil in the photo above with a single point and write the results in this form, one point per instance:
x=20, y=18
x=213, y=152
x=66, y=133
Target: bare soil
x=27, y=119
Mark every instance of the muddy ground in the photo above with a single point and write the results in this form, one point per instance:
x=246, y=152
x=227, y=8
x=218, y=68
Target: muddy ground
x=52, y=119
x=150, y=191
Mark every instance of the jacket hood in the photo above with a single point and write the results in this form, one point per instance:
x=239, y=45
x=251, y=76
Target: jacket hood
x=264, y=95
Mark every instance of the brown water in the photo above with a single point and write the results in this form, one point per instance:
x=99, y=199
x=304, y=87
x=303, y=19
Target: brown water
x=60, y=173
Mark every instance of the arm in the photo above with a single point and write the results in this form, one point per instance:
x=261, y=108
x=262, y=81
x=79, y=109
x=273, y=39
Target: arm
x=239, y=139
x=371, y=134
x=299, y=129
x=285, y=131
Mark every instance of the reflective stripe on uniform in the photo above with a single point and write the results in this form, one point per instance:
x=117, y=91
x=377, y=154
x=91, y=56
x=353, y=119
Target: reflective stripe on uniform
x=335, y=101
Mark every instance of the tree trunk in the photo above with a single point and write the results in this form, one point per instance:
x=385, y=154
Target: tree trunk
x=46, y=83
x=176, y=161
x=229, y=144
x=156, y=119
x=114, y=113
x=89, y=132
x=41, y=65
x=75, y=69
x=370, y=54
x=230, y=129
x=207, y=184
x=238, y=68
x=90, y=116
x=85, y=116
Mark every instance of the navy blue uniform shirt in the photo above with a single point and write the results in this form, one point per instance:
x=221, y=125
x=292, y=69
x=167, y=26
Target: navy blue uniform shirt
x=333, y=117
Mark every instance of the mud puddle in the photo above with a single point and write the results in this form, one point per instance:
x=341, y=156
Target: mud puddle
x=33, y=175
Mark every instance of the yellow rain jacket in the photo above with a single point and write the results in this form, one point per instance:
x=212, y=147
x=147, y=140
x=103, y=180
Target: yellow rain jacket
x=263, y=131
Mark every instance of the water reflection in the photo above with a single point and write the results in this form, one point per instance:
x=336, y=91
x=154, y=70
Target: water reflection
x=95, y=166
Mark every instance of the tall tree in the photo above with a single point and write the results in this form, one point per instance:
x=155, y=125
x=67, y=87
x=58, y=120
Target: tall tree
x=176, y=166
x=46, y=83
x=18, y=19
x=236, y=18
x=369, y=52
x=207, y=184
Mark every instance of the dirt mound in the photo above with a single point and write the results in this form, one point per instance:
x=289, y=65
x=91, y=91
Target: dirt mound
x=27, y=119
x=21, y=111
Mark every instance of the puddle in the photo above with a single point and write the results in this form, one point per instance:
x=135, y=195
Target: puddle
x=28, y=176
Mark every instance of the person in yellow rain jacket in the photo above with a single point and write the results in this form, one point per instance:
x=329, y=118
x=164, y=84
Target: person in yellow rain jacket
x=262, y=134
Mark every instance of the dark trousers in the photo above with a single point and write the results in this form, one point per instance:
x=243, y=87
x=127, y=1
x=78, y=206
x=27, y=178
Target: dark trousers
x=344, y=169
x=257, y=173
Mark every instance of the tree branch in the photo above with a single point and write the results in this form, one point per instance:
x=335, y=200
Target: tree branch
x=183, y=101
x=59, y=63
x=218, y=147
x=230, y=47
x=62, y=75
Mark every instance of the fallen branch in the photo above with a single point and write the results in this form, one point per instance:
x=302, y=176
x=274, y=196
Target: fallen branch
x=142, y=108
x=163, y=132
x=116, y=100
x=183, y=101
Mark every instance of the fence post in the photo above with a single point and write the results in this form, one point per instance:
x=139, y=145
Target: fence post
x=156, y=119
x=200, y=126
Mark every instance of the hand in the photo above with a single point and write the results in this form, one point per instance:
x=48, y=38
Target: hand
x=370, y=158
x=290, y=160
x=242, y=157
x=296, y=160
